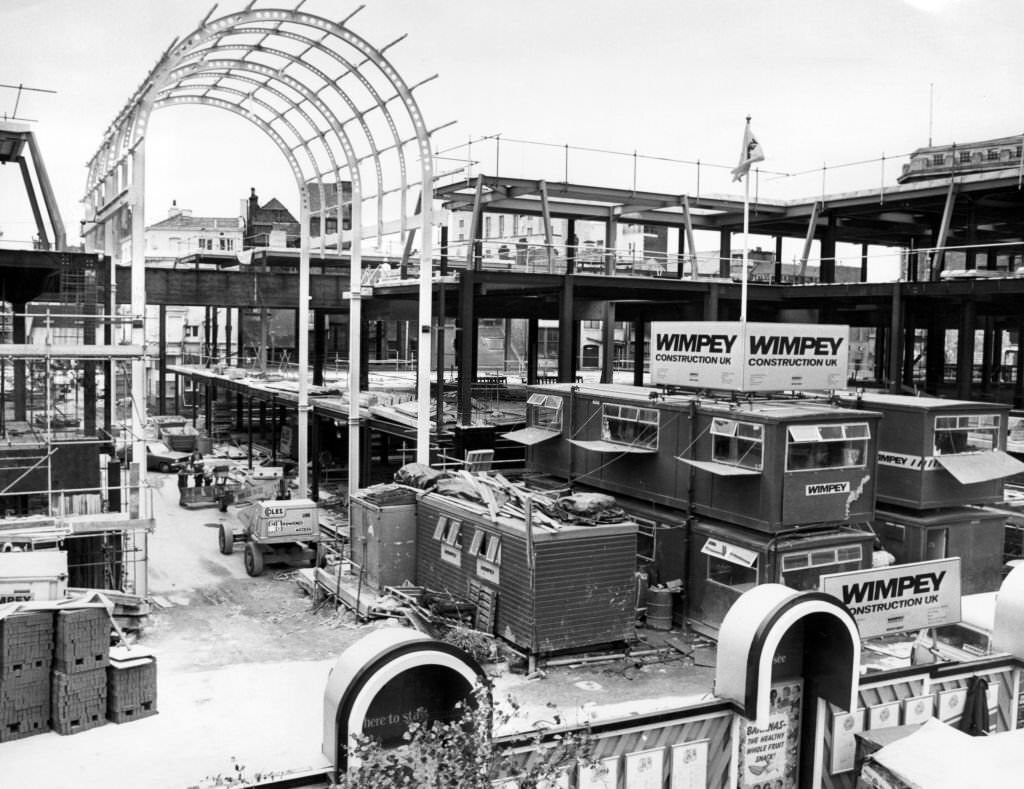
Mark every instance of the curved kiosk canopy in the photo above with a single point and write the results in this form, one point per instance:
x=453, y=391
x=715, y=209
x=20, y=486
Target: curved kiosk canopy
x=1007, y=633
x=387, y=680
x=773, y=632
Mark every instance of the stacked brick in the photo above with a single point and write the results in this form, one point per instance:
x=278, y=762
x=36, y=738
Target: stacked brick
x=26, y=654
x=131, y=688
x=57, y=671
x=81, y=654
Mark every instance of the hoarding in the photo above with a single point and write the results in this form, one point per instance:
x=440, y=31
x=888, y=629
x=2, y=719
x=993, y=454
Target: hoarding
x=899, y=597
x=749, y=357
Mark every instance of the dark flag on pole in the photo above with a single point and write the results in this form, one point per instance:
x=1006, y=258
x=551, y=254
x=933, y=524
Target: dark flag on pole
x=749, y=154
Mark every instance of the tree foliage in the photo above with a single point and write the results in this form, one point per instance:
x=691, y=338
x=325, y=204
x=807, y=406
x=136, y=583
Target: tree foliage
x=461, y=754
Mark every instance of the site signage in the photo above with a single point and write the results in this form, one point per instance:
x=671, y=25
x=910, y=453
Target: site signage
x=900, y=597
x=749, y=357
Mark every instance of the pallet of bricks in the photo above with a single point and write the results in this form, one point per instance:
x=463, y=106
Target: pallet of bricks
x=26, y=657
x=58, y=670
x=78, y=698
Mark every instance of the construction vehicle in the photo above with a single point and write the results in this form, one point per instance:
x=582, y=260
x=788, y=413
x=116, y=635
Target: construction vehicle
x=273, y=531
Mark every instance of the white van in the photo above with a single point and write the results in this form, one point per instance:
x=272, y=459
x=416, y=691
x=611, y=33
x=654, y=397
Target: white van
x=968, y=640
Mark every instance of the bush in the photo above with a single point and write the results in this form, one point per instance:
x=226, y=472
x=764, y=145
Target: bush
x=461, y=754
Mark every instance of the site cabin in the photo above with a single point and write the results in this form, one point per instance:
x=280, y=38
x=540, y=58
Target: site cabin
x=725, y=561
x=541, y=590
x=939, y=453
x=382, y=535
x=975, y=534
x=767, y=464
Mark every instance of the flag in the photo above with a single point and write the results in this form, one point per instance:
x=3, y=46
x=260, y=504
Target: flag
x=749, y=154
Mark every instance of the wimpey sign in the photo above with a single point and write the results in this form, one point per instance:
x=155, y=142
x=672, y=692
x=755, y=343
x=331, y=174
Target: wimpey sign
x=900, y=597
x=749, y=357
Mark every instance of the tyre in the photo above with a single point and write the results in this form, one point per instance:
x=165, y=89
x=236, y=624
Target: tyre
x=253, y=560
x=226, y=540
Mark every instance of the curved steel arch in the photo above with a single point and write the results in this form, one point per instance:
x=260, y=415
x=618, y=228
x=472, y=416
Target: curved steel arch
x=116, y=172
x=228, y=68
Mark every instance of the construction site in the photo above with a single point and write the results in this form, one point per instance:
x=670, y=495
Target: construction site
x=269, y=484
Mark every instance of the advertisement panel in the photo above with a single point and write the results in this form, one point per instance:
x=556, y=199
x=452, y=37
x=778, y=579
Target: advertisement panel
x=769, y=756
x=749, y=357
x=900, y=597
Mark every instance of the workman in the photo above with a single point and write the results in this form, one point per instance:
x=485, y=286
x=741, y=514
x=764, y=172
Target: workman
x=881, y=557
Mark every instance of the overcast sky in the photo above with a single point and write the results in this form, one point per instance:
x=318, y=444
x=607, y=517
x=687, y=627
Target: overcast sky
x=827, y=83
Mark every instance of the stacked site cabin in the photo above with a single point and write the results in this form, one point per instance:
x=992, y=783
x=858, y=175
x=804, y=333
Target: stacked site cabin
x=540, y=588
x=939, y=462
x=761, y=490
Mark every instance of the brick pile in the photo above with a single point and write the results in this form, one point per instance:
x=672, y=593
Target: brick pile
x=131, y=687
x=26, y=654
x=58, y=671
x=81, y=654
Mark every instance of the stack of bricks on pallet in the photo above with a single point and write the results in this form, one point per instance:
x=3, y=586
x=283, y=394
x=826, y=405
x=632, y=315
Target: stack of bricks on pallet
x=131, y=686
x=26, y=653
x=80, y=658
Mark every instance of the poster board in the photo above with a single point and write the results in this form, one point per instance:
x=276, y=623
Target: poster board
x=845, y=728
x=690, y=765
x=899, y=597
x=771, y=753
x=749, y=357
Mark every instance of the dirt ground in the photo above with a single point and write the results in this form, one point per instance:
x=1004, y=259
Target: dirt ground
x=209, y=614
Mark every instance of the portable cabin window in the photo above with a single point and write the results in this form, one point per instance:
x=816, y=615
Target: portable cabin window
x=449, y=531
x=735, y=576
x=803, y=570
x=737, y=443
x=963, y=638
x=730, y=565
x=966, y=433
x=626, y=424
x=812, y=447
x=544, y=411
x=486, y=546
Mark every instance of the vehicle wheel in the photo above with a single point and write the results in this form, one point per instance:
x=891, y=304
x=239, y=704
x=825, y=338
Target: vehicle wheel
x=164, y=468
x=226, y=540
x=253, y=560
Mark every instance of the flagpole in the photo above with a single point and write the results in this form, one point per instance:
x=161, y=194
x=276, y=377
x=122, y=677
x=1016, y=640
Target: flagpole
x=746, y=245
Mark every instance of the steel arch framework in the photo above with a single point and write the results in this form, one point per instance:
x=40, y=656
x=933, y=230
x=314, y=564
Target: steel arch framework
x=337, y=110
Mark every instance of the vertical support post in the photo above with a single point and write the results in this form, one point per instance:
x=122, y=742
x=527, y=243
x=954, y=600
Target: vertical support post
x=608, y=340
x=302, y=338
x=639, y=328
x=426, y=307
x=571, y=245
x=319, y=346
x=895, y=338
x=863, y=262
x=464, y=355
x=827, y=265
x=566, y=331
x=162, y=351
x=18, y=337
x=532, y=349
x=777, y=273
x=136, y=199
x=965, y=349
x=356, y=335
x=725, y=252
x=442, y=310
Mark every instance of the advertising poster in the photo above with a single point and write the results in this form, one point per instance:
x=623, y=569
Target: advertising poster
x=899, y=597
x=845, y=728
x=770, y=755
x=603, y=775
x=690, y=765
x=749, y=357
x=645, y=769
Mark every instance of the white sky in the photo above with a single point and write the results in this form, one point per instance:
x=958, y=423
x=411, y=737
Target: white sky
x=826, y=81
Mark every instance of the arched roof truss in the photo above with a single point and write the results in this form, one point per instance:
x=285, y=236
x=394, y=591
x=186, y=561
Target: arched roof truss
x=332, y=103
